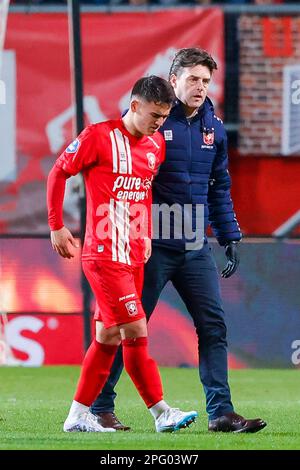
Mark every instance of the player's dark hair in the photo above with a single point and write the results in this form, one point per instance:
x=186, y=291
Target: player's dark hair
x=154, y=89
x=189, y=57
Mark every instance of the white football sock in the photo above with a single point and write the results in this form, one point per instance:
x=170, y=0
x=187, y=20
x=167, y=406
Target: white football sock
x=77, y=409
x=157, y=409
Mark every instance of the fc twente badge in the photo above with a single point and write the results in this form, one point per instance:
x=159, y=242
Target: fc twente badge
x=208, y=136
x=131, y=308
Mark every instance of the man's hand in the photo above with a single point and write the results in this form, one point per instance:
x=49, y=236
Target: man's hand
x=62, y=240
x=232, y=254
x=148, y=249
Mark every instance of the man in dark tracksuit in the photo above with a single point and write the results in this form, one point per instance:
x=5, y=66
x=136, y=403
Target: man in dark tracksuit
x=196, y=173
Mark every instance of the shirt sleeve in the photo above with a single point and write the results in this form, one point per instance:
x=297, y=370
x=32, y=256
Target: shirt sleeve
x=81, y=153
x=55, y=197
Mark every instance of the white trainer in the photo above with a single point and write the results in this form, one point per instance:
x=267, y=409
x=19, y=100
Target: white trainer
x=173, y=419
x=85, y=422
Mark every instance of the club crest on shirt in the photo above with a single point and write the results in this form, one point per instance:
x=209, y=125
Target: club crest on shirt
x=209, y=137
x=73, y=147
x=147, y=183
x=131, y=308
x=151, y=160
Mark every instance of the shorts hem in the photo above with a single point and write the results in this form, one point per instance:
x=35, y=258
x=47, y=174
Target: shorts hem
x=130, y=320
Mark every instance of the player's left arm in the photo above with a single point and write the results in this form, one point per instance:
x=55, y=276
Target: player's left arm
x=162, y=151
x=161, y=156
x=148, y=249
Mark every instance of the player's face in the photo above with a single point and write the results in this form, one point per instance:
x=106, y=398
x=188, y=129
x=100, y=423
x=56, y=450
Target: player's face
x=191, y=85
x=148, y=117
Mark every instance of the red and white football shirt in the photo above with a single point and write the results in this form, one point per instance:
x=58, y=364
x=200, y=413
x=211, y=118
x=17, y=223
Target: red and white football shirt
x=118, y=170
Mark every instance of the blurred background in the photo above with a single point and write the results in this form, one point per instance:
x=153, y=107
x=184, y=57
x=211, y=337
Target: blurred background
x=256, y=91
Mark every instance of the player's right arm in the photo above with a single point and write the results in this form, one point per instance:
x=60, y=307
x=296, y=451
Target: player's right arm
x=81, y=154
x=61, y=238
x=62, y=242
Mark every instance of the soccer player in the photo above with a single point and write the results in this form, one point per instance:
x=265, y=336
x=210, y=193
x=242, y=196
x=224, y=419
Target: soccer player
x=119, y=159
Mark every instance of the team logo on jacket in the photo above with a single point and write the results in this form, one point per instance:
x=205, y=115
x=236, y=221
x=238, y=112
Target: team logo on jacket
x=73, y=147
x=151, y=160
x=168, y=134
x=131, y=308
x=209, y=137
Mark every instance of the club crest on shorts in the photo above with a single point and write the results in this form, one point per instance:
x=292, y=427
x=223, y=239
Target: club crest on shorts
x=73, y=147
x=151, y=160
x=131, y=308
x=208, y=136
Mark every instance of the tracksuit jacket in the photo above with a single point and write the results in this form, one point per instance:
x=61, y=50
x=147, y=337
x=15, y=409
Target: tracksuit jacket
x=196, y=172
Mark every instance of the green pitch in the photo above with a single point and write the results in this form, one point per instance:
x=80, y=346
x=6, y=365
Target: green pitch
x=34, y=403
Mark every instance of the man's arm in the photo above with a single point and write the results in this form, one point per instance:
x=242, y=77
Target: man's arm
x=220, y=206
x=61, y=238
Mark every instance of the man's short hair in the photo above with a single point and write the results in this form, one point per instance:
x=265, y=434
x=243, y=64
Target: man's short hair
x=189, y=57
x=154, y=89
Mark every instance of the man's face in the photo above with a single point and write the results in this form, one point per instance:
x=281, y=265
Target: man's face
x=148, y=117
x=191, y=85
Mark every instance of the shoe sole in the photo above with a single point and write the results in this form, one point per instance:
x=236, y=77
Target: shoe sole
x=76, y=429
x=184, y=423
x=84, y=429
x=251, y=430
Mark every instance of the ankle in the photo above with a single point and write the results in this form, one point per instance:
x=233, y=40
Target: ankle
x=157, y=409
x=77, y=409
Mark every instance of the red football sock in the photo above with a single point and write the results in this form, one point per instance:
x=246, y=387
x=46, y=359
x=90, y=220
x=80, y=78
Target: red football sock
x=95, y=370
x=142, y=370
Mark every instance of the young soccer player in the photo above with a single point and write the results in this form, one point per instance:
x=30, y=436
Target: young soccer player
x=119, y=159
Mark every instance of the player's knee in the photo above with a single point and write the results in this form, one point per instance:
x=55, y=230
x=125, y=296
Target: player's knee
x=108, y=339
x=135, y=329
x=108, y=335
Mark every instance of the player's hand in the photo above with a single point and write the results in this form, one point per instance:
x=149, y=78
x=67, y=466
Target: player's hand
x=232, y=254
x=148, y=249
x=62, y=242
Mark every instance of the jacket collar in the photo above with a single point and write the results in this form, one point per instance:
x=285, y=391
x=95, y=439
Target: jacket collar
x=204, y=115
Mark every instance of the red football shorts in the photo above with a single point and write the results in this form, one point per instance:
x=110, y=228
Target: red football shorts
x=118, y=290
